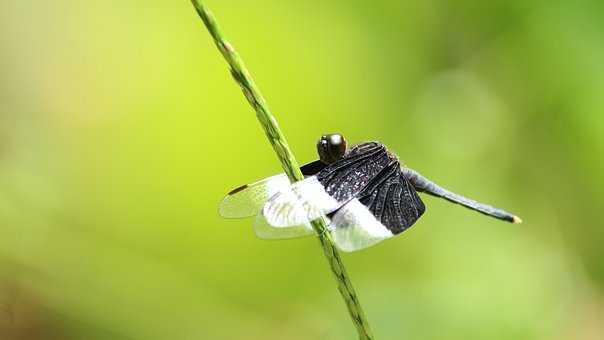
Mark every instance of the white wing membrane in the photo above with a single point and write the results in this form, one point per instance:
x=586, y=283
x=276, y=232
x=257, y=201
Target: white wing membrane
x=284, y=211
x=354, y=227
x=268, y=232
x=248, y=200
x=303, y=202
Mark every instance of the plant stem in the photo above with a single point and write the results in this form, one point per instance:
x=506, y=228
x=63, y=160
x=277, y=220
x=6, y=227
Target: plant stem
x=288, y=162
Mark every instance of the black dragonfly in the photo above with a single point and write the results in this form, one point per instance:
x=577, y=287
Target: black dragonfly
x=363, y=192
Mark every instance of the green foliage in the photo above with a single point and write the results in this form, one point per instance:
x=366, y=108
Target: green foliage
x=120, y=133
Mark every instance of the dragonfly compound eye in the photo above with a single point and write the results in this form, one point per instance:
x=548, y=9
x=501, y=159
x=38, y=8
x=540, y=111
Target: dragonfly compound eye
x=331, y=147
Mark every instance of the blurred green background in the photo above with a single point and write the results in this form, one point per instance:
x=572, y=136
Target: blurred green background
x=121, y=129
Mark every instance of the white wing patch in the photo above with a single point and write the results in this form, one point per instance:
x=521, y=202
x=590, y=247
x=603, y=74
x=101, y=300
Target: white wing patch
x=284, y=211
x=268, y=232
x=354, y=227
x=248, y=200
x=303, y=202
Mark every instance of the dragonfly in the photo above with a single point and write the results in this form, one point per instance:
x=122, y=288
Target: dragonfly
x=363, y=192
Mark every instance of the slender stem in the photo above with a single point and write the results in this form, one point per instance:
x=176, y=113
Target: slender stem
x=288, y=162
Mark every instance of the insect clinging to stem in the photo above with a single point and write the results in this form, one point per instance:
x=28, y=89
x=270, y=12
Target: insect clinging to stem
x=363, y=192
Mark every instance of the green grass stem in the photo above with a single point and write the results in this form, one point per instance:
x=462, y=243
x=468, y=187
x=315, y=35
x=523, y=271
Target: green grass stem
x=288, y=162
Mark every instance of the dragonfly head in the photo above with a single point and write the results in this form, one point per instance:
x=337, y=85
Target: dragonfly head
x=331, y=147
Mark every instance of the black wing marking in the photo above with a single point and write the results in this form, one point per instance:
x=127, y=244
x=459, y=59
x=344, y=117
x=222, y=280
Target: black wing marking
x=392, y=199
x=346, y=178
x=312, y=168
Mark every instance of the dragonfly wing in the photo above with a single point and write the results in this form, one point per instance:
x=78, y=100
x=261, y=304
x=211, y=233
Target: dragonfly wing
x=248, y=200
x=393, y=201
x=301, y=203
x=354, y=227
x=388, y=206
x=346, y=178
x=268, y=232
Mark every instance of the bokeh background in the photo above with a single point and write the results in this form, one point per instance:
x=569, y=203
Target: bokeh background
x=121, y=129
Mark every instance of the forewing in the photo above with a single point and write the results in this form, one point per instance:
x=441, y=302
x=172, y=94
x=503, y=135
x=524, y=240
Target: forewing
x=299, y=204
x=268, y=232
x=248, y=200
x=393, y=201
x=354, y=227
x=346, y=178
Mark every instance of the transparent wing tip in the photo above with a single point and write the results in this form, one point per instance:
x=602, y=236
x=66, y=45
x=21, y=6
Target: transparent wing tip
x=232, y=207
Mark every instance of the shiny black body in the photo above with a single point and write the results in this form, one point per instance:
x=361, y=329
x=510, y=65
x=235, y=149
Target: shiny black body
x=373, y=175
